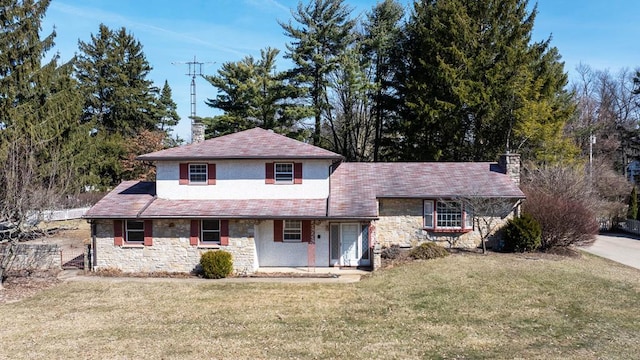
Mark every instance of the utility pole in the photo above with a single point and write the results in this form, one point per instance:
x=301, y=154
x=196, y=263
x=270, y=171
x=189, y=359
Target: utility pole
x=195, y=69
x=592, y=140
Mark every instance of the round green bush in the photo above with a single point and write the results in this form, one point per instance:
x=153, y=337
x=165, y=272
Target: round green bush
x=428, y=250
x=216, y=264
x=522, y=234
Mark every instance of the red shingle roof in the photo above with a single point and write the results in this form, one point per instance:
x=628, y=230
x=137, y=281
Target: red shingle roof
x=354, y=190
x=355, y=186
x=137, y=199
x=125, y=201
x=259, y=208
x=254, y=143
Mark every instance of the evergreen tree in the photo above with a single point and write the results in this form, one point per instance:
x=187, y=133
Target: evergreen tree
x=253, y=94
x=323, y=32
x=632, y=211
x=475, y=85
x=112, y=70
x=120, y=102
x=167, y=107
x=380, y=45
x=40, y=137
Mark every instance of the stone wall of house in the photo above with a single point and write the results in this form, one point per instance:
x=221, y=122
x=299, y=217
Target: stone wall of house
x=33, y=257
x=171, y=250
x=401, y=223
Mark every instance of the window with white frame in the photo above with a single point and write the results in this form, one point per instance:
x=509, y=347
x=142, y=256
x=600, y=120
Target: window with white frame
x=210, y=231
x=446, y=215
x=292, y=231
x=198, y=173
x=134, y=231
x=283, y=172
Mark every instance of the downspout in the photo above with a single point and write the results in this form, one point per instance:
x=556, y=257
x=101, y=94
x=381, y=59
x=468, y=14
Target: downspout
x=92, y=254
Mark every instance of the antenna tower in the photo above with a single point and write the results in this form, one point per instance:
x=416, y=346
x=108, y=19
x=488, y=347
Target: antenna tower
x=195, y=69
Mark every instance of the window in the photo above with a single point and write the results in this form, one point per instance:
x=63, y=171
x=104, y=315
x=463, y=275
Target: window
x=446, y=215
x=283, y=172
x=210, y=231
x=134, y=231
x=292, y=231
x=198, y=173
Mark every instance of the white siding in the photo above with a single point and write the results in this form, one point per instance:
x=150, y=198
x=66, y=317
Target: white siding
x=244, y=179
x=278, y=254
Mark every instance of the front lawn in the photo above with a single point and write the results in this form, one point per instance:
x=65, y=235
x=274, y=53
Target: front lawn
x=462, y=306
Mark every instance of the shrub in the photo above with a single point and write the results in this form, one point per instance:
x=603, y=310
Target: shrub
x=216, y=264
x=428, y=250
x=564, y=221
x=522, y=234
x=391, y=252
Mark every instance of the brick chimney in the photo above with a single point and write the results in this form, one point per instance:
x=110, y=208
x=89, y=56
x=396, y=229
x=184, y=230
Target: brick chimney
x=510, y=164
x=197, y=132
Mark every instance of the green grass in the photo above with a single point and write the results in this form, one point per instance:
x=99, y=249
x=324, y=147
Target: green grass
x=462, y=306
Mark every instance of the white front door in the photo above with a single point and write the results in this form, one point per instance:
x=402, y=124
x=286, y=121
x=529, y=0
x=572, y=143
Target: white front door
x=349, y=244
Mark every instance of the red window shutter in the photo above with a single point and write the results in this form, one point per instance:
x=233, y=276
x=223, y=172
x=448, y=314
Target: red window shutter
x=268, y=174
x=211, y=174
x=224, y=232
x=184, y=174
x=117, y=233
x=195, y=232
x=306, y=230
x=297, y=173
x=278, y=230
x=148, y=232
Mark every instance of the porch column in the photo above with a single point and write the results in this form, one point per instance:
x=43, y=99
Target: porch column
x=311, y=247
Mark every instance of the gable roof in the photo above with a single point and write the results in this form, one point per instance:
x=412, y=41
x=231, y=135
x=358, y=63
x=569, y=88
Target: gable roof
x=254, y=143
x=356, y=186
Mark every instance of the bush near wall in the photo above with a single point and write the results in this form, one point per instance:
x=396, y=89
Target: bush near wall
x=216, y=264
x=428, y=250
x=522, y=234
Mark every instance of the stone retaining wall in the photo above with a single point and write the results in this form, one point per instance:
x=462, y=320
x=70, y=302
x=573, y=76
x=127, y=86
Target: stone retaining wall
x=171, y=250
x=33, y=257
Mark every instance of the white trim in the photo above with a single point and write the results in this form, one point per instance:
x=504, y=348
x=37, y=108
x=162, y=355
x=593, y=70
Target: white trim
x=291, y=230
x=284, y=173
x=206, y=173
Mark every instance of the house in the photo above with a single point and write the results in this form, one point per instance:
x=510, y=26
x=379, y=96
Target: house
x=273, y=201
x=633, y=172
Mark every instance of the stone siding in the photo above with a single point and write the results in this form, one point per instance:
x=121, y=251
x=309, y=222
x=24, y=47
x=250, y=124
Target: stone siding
x=171, y=250
x=401, y=223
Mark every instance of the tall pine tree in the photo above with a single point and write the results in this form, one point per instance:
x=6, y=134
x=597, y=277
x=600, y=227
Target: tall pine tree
x=40, y=137
x=380, y=46
x=112, y=70
x=322, y=33
x=253, y=94
x=475, y=83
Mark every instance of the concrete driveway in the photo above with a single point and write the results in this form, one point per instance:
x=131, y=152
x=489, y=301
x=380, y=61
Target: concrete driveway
x=619, y=247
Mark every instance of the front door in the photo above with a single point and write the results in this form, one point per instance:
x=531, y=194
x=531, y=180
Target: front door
x=350, y=244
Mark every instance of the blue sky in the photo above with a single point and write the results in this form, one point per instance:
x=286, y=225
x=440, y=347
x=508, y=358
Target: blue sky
x=602, y=34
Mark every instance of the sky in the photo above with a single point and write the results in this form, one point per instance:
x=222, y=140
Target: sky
x=601, y=34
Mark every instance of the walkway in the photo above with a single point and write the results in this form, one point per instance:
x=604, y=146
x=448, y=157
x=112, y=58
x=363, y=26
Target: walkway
x=276, y=275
